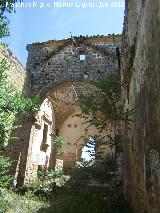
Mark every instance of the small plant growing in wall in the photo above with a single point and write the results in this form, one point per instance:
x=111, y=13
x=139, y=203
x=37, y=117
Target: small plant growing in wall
x=59, y=141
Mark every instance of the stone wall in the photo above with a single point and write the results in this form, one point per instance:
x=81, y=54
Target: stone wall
x=141, y=79
x=41, y=141
x=76, y=61
x=17, y=74
x=60, y=70
x=55, y=62
x=17, y=150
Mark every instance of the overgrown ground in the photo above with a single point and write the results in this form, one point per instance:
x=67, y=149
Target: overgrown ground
x=86, y=200
x=75, y=196
x=65, y=200
x=54, y=192
x=11, y=202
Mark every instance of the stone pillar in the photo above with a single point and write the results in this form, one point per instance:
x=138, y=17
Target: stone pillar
x=52, y=161
x=25, y=131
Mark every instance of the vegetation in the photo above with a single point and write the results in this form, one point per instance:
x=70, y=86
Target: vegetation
x=103, y=109
x=5, y=7
x=5, y=165
x=78, y=195
x=74, y=196
x=11, y=202
x=59, y=141
x=47, y=181
x=12, y=103
x=86, y=200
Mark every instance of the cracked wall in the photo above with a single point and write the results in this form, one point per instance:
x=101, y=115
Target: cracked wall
x=60, y=71
x=141, y=79
x=77, y=61
x=55, y=62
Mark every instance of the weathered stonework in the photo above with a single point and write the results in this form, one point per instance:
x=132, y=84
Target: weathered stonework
x=141, y=77
x=40, y=145
x=56, y=62
x=58, y=71
x=17, y=74
x=17, y=149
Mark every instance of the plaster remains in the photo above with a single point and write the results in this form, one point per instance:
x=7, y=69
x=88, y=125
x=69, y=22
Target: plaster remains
x=59, y=72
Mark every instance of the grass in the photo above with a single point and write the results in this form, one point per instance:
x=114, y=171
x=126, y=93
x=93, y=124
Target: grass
x=85, y=200
x=65, y=200
x=11, y=202
x=74, y=196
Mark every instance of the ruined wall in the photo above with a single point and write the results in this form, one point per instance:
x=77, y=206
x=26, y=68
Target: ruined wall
x=17, y=150
x=41, y=141
x=73, y=131
x=70, y=61
x=17, y=74
x=55, y=62
x=51, y=64
x=141, y=79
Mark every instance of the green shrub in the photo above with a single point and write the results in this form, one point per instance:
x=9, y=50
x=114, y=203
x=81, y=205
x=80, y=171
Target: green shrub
x=59, y=141
x=5, y=180
x=12, y=103
x=5, y=165
x=3, y=203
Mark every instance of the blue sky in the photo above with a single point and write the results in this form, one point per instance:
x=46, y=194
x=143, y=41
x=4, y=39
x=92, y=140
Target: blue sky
x=35, y=24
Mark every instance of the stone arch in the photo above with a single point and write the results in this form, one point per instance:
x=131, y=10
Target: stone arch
x=66, y=98
x=74, y=134
x=57, y=62
x=46, y=90
x=56, y=66
x=58, y=111
x=67, y=125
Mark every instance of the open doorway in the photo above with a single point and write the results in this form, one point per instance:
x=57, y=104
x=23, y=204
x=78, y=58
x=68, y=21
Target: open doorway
x=88, y=151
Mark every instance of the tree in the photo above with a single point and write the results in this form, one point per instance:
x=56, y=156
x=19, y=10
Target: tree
x=6, y=6
x=103, y=108
x=12, y=103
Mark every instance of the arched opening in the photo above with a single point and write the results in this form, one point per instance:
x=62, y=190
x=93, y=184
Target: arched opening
x=65, y=100
x=73, y=130
x=57, y=117
x=89, y=150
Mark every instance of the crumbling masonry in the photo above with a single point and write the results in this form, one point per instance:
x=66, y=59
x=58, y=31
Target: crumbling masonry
x=141, y=78
x=58, y=71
